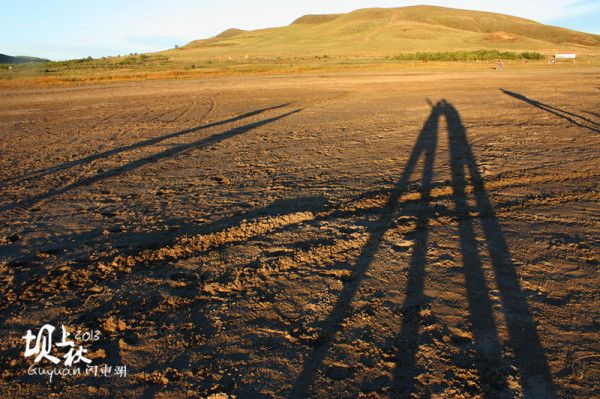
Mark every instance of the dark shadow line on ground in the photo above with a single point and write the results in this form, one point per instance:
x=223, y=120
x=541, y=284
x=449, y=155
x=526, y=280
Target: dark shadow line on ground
x=179, y=149
x=414, y=297
x=130, y=147
x=331, y=324
x=282, y=207
x=555, y=111
x=530, y=356
x=536, y=377
x=481, y=315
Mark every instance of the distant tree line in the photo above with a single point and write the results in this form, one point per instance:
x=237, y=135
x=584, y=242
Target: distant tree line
x=482, y=55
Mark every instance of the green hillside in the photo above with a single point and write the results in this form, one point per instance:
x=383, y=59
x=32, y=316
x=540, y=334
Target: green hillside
x=368, y=38
x=389, y=32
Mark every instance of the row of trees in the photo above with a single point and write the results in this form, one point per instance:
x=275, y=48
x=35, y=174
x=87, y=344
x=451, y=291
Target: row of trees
x=482, y=55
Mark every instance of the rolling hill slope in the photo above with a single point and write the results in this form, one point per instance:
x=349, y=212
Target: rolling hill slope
x=387, y=32
x=7, y=59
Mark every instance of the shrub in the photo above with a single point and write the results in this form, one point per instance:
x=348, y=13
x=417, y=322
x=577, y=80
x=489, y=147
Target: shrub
x=482, y=55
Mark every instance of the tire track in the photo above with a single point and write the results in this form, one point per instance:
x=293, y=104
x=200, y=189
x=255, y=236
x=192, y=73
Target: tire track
x=317, y=257
x=190, y=245
x=444, y=190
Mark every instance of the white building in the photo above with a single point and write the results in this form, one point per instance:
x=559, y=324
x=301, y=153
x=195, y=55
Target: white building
x=565, y=56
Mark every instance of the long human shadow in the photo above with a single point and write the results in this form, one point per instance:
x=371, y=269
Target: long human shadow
x=529, y=354
x=481, y=315
x=176, y=150
x=130, y=147
x=567, y=115
x=530, y=357
x=523, y=338
x=424, y=146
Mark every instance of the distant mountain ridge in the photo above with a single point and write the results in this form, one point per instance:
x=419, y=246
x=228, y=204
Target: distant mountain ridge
x=389, y=31
x=21, y=59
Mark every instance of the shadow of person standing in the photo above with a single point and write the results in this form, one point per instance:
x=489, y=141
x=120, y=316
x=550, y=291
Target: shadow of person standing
x=424, y=148
x=530, y=358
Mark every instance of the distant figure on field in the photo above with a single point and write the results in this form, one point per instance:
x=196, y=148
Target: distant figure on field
x=500, y=65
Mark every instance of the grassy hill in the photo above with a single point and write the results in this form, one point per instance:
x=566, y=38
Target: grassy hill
x=392, y=31
x=363, y=39
x=7, y=59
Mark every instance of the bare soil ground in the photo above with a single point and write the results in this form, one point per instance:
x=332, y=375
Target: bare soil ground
x=334, y=236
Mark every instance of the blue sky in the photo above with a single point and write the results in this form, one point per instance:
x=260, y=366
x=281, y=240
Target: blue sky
x=64, y=29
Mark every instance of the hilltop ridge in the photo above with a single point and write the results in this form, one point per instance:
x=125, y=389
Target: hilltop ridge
x=391, y=31
x=20, y=59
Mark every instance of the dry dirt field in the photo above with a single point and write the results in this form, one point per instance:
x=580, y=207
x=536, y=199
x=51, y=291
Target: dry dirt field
x=326, y=236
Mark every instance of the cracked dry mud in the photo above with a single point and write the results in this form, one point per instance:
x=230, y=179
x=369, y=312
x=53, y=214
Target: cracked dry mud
x=335, y=236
